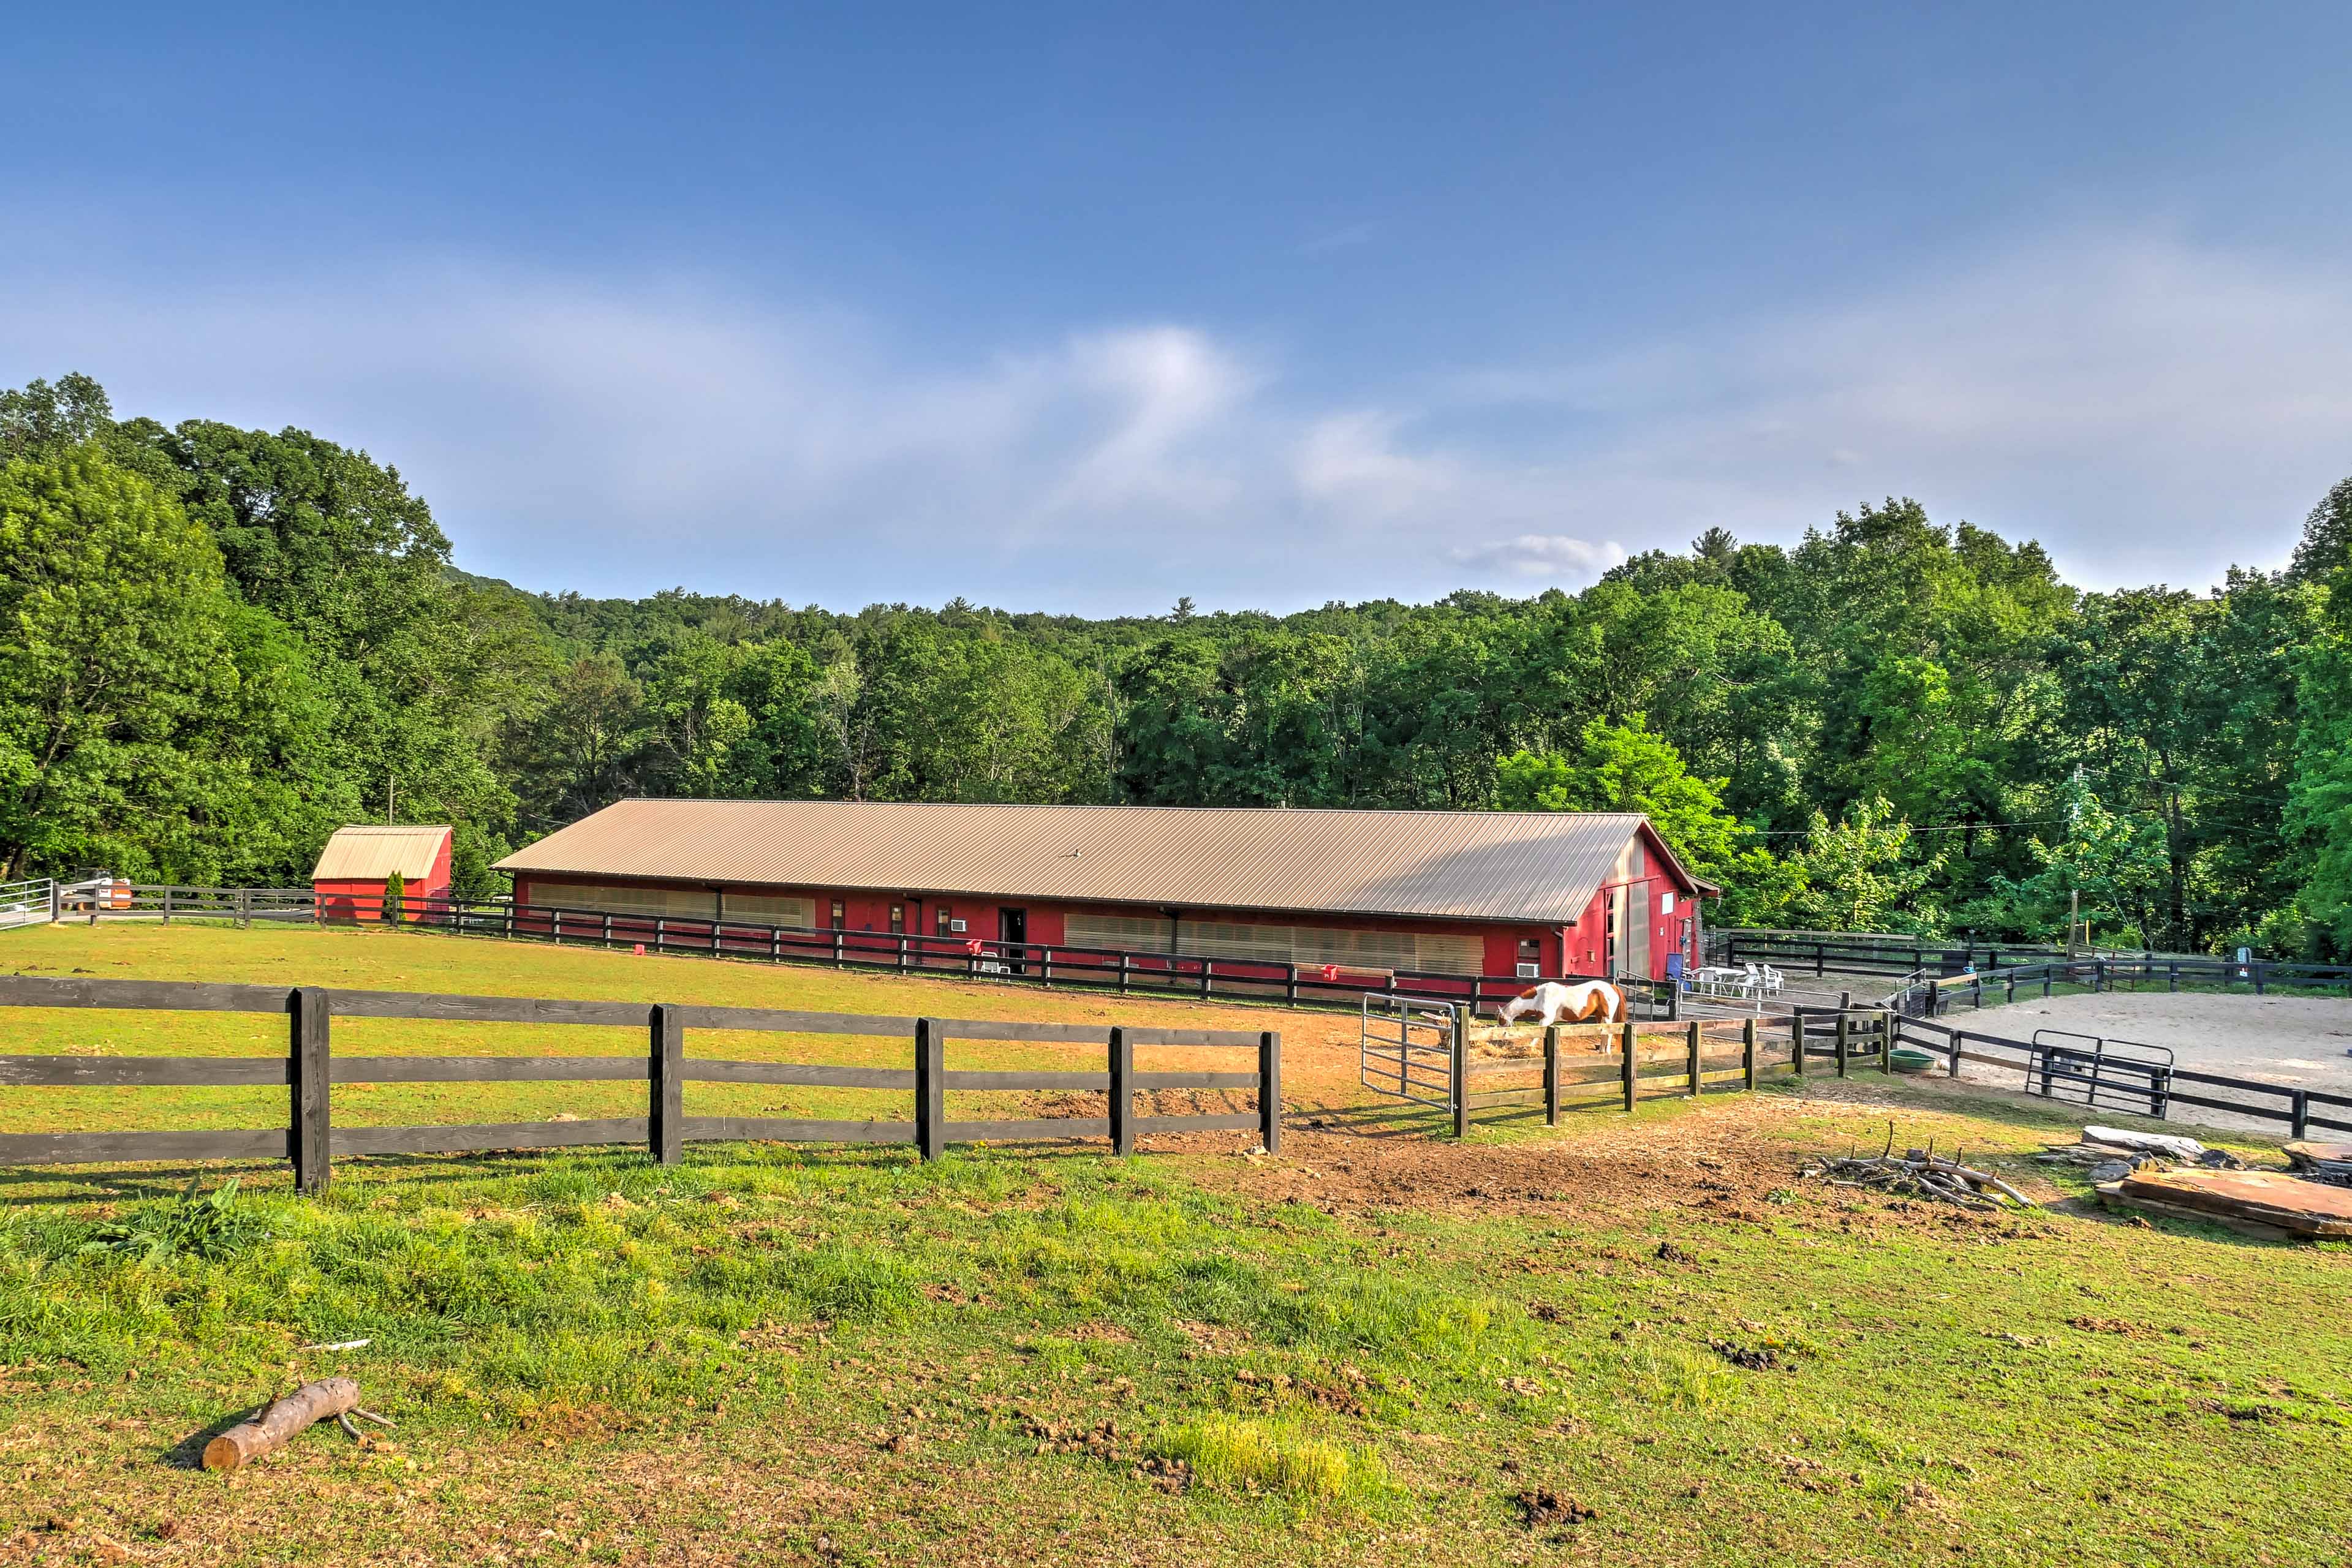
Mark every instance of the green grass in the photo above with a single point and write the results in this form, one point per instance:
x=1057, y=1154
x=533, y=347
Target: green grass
x=771, y=1354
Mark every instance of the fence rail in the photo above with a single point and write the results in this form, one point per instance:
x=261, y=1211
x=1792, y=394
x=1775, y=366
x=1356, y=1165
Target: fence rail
x=1125, y=971
x=2149, y=1088
x=1932, y=997
x=310, y=1070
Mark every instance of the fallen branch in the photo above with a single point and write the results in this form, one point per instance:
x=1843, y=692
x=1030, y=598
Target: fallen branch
x=281, y=1420
x=1918, y=1173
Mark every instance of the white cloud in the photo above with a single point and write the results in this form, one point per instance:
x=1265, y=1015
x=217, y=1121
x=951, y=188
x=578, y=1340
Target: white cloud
x=1351, y=461
x=1551, y=557
x=2149, y=408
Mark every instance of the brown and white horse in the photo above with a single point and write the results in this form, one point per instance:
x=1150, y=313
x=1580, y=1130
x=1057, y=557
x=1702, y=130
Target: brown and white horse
x=1581, y=1001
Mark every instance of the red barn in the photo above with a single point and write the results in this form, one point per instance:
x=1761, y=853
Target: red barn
x=350, y=876
x=1536, y=893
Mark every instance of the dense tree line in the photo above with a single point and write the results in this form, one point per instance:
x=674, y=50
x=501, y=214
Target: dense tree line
x=217, y=644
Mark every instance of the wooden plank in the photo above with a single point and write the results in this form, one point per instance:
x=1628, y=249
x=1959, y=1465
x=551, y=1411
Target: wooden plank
x=488, y=1069
x=487, y=1009
x=1033, y=1128
x=713, y=1070
x=792, y=1130
x=473, y=1136
x=176, y=1072
x=310, y=1028
x=1195, y=1081
x=962, y=1079
x=1033, y=1033
x=140, y=996
x=1191, y=1037
x=666, y=1094
x=107, y=1148
x=1245, y=1120
x=773, y=1020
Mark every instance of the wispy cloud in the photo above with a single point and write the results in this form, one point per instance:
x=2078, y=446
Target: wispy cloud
x=2150, y=407
x=1547, y=556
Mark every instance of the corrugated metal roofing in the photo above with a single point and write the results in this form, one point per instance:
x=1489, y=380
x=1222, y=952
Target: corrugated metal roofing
x=372, y=853
x=1541, y=866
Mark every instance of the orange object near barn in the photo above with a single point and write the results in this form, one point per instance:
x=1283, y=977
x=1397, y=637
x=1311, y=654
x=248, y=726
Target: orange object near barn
x=350, y=876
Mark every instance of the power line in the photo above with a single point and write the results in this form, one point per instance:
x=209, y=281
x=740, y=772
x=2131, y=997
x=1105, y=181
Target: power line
x=1940, y=828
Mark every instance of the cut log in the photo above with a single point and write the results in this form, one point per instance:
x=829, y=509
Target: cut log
x=280, y=1421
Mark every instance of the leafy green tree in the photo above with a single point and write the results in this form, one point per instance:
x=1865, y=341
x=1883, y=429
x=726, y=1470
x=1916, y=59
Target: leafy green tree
x=395, y=891
x=140, y=707
x=1858, y=875
x=1629, y=768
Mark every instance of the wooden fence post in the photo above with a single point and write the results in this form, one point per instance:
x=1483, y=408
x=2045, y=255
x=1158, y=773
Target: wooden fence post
x=1626, y=1071
x=1886, y=1040
x=311, y=1134
x=1269, y=1091
x=2299, y=1114
x=931, y=1091
x=1551, y=1076
x=1747, y=1052
x=666, y=1102
x=1845, y=1036
x=1694, y=1050
x=1797, y=1031
x=1459, y=1090
x=1122, y=1094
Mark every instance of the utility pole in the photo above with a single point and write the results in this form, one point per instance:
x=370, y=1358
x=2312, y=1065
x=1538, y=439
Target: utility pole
x=390, y=783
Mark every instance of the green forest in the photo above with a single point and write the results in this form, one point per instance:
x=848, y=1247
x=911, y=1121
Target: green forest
x=217, y=645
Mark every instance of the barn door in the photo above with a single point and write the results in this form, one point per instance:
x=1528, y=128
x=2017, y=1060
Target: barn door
x=1636, y=927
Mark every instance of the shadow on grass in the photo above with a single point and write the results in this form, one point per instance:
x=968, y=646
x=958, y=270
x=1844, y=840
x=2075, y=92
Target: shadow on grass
x=188, y=1453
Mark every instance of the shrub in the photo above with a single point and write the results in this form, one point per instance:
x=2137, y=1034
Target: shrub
x=395, y=889
x=213, y=1226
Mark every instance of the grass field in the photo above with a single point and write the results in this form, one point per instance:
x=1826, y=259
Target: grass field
x=1380, y=1347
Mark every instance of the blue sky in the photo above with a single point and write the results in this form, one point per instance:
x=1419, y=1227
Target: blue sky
x=1084, y=308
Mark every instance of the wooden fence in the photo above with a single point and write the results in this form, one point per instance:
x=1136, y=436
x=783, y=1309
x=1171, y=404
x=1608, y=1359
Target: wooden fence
x=309, y=1070
x=1122, y=971
x=2149, y=1089
x=1627, y=1060
x=1933, y=997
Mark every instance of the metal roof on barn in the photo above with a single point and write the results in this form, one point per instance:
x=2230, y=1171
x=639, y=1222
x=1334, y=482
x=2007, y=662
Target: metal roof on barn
x=368, y=853
x=1538, y=866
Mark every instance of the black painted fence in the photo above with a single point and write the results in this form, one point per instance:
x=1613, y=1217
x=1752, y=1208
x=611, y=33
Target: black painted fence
x=1123, y=971
x=1935, y=997
x=309, y=1070
x=1126, y=972
x=2149, y=1089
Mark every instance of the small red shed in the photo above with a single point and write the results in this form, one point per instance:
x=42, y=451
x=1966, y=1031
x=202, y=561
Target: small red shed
x=350, y=876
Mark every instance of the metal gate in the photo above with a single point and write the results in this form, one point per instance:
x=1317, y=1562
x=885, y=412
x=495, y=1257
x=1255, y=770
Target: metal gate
x=2106, y=1074
x=1407, y=1049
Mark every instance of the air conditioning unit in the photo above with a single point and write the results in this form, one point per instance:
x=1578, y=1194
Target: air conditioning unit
x=956, y=926
x=1527, y=971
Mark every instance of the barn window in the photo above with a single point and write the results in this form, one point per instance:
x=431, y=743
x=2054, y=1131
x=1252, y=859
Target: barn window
x=1315, y=944
x=675, y=902
x=1666, y=904
x=840, y=914
x=898, y=917
x=941, y=916
x=1122, y=933
x=769, y=909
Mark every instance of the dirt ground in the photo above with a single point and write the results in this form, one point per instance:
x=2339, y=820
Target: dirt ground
x=2298, y=1043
